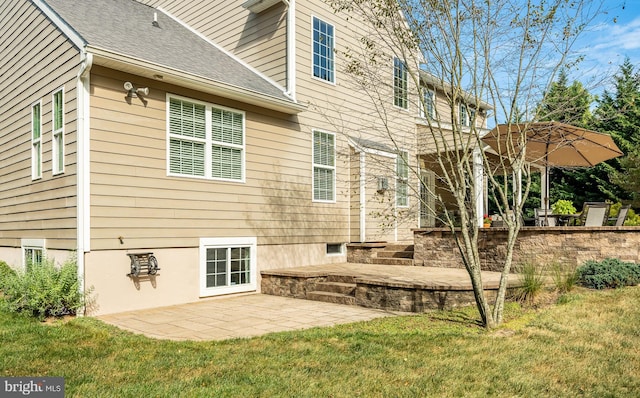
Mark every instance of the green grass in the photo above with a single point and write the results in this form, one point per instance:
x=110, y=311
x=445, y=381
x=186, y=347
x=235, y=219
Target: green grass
x=587, y=346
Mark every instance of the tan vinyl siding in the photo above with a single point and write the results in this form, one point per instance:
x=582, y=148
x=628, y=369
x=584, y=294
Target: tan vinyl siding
x=345, y=109
x=258, y=39
x=354, y=192
x=37, y=60
x=333, y=107
x=132, y=196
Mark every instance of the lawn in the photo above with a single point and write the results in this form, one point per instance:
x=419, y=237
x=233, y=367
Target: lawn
x=587, y=346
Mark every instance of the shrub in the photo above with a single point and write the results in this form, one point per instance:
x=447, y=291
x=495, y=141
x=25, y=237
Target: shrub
x=5, y=273
x=632, y=219
x=609, y=273
x=44, y=290
x=564, y=277
x=532, y=284
x=563, y=207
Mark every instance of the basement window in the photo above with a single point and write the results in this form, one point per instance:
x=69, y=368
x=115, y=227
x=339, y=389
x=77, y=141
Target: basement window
x=334, y=248
x=33, y=253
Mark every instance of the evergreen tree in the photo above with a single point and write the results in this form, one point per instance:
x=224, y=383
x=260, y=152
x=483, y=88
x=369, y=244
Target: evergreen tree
x=618, y=114
x=571, y=104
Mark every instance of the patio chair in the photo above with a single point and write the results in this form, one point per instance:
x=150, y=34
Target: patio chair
x=597, y=214
x=622, y=215
x=544, y=218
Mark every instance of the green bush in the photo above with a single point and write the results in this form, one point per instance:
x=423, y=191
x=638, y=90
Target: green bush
x=609, y=273
x=563, y=207
x=44, y=290
x=5, y=273
x=632, y=219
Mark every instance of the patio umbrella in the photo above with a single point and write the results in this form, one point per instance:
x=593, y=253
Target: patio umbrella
x=552, y=144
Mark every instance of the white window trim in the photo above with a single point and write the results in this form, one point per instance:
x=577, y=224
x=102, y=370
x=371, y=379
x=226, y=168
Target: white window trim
x=55, y=150
x=406, y=69
x=462, y=118
x=341, y=253
x=208, y=141
x=36, y=158
x=333, y=81
x=224, y=243
x=432, y=94
x=314, y=165
x=398, y=157
x=37, y=244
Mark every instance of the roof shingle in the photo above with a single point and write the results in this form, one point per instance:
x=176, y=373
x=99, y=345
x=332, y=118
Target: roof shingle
x=126, y=27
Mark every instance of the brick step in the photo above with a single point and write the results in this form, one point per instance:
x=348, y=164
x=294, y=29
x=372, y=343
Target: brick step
x=395, y=254
x=341, y=278
x=329, y=297
x=392, y=261
x=399, y=247
x=336, y=287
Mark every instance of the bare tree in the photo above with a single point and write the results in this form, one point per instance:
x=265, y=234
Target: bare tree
x=488, y=61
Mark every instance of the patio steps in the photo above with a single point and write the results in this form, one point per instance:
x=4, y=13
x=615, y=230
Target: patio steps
x=338, y=289
x=395, y=255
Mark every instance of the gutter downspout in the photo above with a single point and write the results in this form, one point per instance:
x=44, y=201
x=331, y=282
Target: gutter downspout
x=82, y=164
x=291, y=48
x=363, y=199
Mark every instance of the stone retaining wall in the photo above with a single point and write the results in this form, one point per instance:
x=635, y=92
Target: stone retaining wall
x=435, y=247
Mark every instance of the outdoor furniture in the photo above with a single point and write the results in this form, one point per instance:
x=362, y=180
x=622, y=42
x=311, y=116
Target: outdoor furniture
x=596, y=214
x=544, y=218
x=622, y=215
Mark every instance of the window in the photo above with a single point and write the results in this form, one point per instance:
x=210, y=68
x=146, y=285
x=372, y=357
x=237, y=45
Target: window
x=205, y=141
x=228, y=265
x=467, y=116
x=402, y=179
x=58, y=132
x=36, y=140
x=324, y=166
x=334, y=248
x=323, y=67
x=33, y=252
x=400, y=92
x=428, y=109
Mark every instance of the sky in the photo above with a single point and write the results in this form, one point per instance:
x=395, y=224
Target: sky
x=612, y=37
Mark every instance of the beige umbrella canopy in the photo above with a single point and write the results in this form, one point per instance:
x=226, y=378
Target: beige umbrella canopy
x=552, y=144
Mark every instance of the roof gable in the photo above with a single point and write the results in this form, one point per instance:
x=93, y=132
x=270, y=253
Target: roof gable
x=141, y=32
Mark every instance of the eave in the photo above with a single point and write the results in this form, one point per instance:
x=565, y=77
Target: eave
x=181, y=78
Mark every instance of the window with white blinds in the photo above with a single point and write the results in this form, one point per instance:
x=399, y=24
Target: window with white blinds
x=324, y=166
x=205, y=140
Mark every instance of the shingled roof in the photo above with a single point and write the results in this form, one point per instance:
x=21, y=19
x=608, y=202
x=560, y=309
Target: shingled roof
x=127, y=28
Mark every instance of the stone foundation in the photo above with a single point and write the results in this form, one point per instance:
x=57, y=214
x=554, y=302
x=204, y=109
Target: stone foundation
x=381, y=293
x=435, y=247
x=364, y=253
x=411, y=299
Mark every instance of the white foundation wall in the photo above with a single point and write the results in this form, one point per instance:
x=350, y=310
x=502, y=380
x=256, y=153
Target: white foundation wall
x=178, y=280
x=289, y=256
x=113, y=291
x=12, y=256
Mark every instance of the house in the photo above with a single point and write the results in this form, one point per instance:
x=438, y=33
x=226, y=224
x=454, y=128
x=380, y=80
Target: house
x=221, y=136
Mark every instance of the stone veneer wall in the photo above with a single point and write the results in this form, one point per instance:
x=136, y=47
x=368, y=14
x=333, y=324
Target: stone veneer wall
x=435, y=247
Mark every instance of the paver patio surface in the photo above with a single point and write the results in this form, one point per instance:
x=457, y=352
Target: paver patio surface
x=238, y=316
